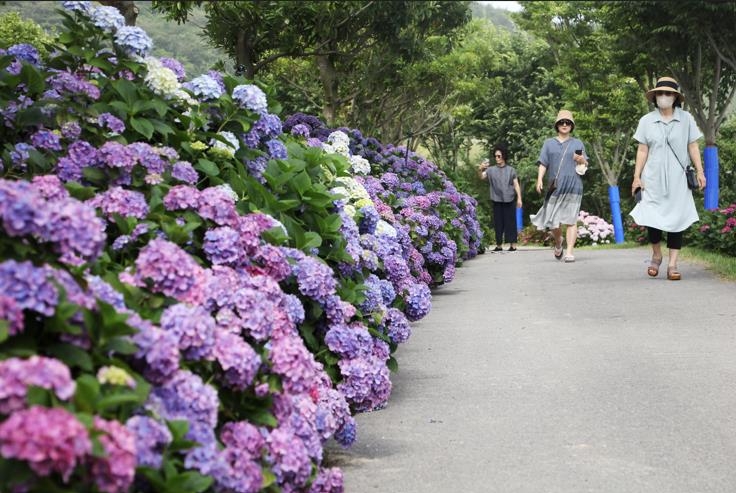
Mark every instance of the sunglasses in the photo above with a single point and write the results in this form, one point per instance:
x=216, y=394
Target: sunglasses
x=565, y=122
x=498, y=155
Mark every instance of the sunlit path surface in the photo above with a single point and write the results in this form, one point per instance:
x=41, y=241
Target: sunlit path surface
x=531, y=375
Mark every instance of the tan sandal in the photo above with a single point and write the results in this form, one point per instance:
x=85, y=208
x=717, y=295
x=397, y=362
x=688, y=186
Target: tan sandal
x=673, y=274
x=558, y=252
x=653, y=269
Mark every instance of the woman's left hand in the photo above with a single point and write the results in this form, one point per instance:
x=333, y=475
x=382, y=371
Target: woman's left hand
x=579, y=159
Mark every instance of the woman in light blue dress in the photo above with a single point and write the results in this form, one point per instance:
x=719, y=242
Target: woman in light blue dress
x=668, y=142
x=558, y=161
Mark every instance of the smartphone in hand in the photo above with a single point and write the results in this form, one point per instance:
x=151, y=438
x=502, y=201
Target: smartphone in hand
x=637, y=194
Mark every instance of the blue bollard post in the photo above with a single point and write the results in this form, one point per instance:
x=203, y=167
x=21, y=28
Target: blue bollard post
x=710, y=199
x=519, y=218
x=615, y=199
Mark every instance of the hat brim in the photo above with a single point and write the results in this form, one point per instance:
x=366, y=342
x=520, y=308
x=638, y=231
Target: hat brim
x=678, y=94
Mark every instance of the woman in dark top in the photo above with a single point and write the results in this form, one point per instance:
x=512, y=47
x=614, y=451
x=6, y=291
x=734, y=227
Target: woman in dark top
x=504, y=187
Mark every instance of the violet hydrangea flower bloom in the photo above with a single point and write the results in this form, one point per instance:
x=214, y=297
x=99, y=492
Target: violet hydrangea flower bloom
x=185, y=172
x=193, y=327
x=176, y=67
x=17, y=374
x=151, y=437
x=116, y=200
x=170, y=270
x=114, y=472
x=242, y=472
x=48, y=439
x=112, y=122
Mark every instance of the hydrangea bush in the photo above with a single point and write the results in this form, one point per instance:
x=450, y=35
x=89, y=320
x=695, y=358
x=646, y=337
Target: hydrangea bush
x=716, y=230
x=593, y=230
x=440, y=222
x=192, y=299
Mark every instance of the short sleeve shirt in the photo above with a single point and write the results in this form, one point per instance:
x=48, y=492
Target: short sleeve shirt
x=501, y=181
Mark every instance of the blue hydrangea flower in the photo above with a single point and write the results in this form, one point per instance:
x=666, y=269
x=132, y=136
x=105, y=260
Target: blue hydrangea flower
x=109, y=19
x=133, y=40
x=204, y=87
x=250, y=97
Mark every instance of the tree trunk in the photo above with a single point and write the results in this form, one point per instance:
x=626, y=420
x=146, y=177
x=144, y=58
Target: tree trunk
x=243, y=60
x=127, y=8
x=329, y=88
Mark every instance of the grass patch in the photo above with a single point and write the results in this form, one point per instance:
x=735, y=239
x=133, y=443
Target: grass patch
x=722, y=265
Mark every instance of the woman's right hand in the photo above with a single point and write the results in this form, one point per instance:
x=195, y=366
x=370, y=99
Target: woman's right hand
x=636, y=183
x=539, y=186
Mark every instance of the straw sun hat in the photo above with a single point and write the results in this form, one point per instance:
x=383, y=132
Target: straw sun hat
x=564, y=115
x=666, y=84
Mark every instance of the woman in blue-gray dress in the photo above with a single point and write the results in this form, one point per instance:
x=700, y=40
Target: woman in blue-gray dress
x=668, y=142
x=558, y=160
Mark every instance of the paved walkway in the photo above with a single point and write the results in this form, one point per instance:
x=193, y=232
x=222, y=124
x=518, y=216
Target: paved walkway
x=531, y=375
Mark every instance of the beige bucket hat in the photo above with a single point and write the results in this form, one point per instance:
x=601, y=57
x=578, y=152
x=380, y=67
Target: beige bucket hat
x=666, y=84
x=564, y=115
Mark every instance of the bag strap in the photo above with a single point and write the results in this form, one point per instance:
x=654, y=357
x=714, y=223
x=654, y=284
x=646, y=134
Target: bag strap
x=676, y=156
x=561, y=159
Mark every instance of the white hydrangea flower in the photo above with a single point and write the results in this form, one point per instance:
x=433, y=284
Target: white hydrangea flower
x=384, y=228
x=339, y=138
x=159, y=79
x=342, y=191
x=350, y=210
x=360, y=165
x=224, y=149
x=355, y=190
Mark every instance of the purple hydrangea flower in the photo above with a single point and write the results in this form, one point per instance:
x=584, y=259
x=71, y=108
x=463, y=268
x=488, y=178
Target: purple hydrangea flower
x=193, y=327
x=315, y=278
x=176, y=67
x=242, y=472
x=300, y=130
x=185, y=172
x=223, y=247
x=293, y=362
x=237, y=358
x=71, y=130
x=48, y=439
x=181, y=197
x=29, y=286
x=11, y=313
x=328, y=480
x=46, y=139
x=158, y=350
x=151, y=437
x=114, y=472
x=276, y=149
x=25, y=52
x=169, y=270
x=288, y=457
x=16, y=375
x=116, y=200
x=112, y=122
x=20, y=154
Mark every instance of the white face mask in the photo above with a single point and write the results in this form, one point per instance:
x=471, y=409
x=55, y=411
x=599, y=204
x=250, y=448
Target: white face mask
x=665, y=101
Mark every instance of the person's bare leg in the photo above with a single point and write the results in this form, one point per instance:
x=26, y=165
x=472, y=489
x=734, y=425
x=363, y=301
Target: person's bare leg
x=571, y=235
x=672, y=273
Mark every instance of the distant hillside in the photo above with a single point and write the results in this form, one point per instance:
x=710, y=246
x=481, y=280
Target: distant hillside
x=183, y=42
x=499, y=17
